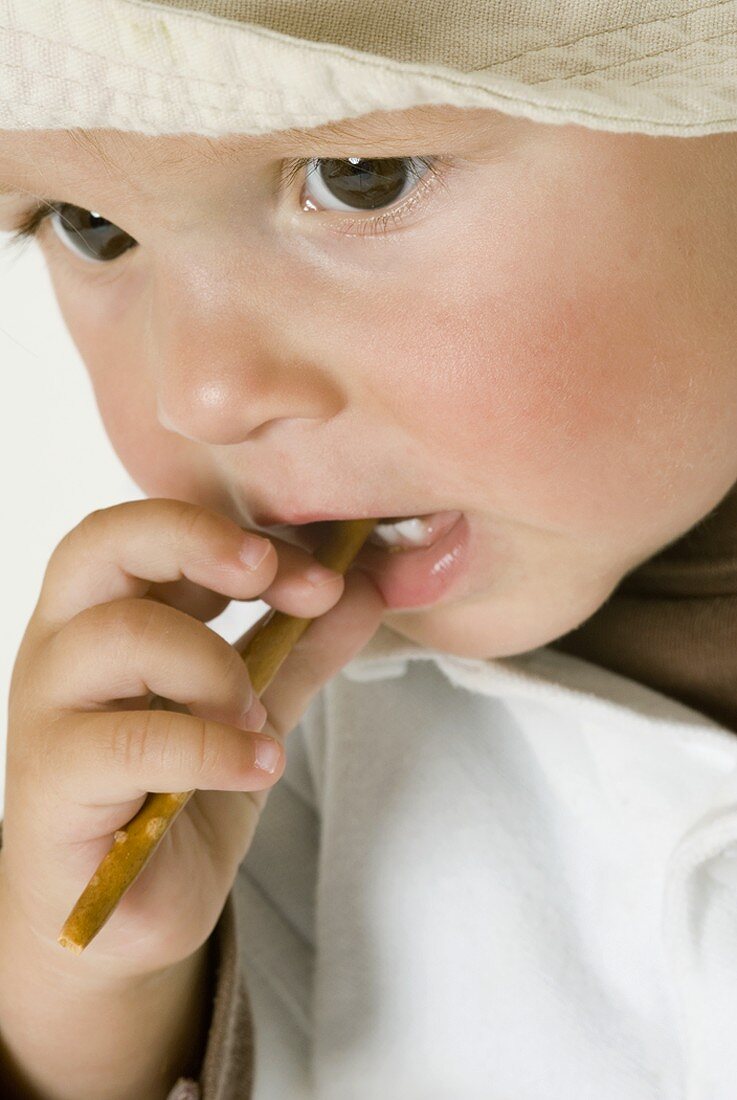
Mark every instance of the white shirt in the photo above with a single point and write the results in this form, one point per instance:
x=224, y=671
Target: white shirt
x=508, y=879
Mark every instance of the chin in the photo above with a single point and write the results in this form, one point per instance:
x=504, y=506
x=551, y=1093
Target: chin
x=495, y=627
x=434, y=628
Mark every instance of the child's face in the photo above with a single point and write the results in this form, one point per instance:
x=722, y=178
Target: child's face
x=545, y=342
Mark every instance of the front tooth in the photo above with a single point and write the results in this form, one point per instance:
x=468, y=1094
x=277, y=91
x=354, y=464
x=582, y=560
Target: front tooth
x=414, y=530
x=407, y=533
x=385, y=534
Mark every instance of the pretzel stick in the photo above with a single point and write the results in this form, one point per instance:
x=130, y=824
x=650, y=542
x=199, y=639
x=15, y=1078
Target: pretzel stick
x=134, y=844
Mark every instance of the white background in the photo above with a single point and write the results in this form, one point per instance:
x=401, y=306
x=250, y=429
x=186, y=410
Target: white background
x=58, y=464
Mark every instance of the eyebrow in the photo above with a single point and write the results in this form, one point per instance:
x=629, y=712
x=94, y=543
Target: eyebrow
x=299, y=140
x=377, y=126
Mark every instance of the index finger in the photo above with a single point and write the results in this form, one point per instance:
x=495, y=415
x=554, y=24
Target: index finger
x=118, y=552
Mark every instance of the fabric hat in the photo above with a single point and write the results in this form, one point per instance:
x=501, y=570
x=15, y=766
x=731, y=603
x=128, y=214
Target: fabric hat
x=253, y=66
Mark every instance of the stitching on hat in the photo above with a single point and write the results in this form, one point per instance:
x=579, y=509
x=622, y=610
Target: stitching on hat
x=648, y=79
x=227, y=84
x=614, y=30
x=136, y=97
x=381, y=64
x=163, y=73
x=387, y=63
x=553, y=108
x=643, y=57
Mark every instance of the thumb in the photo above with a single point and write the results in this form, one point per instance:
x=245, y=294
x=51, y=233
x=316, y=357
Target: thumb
x=330, y=641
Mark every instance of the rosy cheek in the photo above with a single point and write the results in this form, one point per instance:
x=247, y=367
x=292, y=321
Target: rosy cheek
x=533, y=406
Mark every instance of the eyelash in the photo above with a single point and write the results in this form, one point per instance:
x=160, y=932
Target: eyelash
x=31, y=222
x=437, y=168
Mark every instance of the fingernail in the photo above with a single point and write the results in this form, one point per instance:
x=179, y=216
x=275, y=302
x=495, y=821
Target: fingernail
x=318, y=575
x=253, y=551
x=255, y=717
x=268, y=754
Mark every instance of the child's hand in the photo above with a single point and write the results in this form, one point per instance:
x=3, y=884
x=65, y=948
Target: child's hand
x=120, y=617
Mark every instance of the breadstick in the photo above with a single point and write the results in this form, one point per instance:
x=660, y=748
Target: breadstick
x=134, y=844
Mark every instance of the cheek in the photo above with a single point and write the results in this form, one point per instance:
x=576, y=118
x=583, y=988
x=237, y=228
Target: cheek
x=569, y=415
x=567, y=392
x=108, y=339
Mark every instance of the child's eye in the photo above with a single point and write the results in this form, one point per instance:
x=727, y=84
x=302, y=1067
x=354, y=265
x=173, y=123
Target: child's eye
x=84, y=232
x=360, y=183
x=87, y=233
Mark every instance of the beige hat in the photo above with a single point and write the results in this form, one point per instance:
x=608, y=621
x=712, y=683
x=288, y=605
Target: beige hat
x=252, y=66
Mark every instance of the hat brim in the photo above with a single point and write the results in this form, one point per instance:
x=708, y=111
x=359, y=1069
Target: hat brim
x=166, y=69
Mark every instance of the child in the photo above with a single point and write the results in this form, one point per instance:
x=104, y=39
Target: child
x=490, y=851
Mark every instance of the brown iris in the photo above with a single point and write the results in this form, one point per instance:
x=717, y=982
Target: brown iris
x=365, y=183
x=93, y=236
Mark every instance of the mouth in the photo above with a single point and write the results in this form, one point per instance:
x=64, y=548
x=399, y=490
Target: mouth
x=414, y=561
x=394, y=534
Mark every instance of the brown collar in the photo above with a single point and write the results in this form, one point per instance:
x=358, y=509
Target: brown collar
x=671, y=623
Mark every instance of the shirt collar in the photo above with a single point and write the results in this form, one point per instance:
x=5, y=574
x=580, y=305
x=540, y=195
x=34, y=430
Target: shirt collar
x=595, y=695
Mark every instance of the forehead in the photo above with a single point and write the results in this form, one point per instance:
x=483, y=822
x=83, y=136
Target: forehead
x=420, y=130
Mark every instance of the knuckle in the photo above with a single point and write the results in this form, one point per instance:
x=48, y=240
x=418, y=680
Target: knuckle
x=193, y=520
x=146, y=740
x=205, y=750
x=78, y=541
x=124, y=622
x=166, y=748
x=137, y=620
x=92, y=522
x=204, y=529
x=75, y=535
x=140, y=620
x=127, y=613
x=130, y=741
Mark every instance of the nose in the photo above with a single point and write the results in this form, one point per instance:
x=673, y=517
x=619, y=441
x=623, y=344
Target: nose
x=222, y=372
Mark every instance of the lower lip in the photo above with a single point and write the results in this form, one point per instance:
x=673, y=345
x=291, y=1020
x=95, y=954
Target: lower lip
x=422, y=577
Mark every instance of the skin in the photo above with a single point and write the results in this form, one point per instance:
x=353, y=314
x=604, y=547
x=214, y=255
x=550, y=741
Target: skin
x=546, y=343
